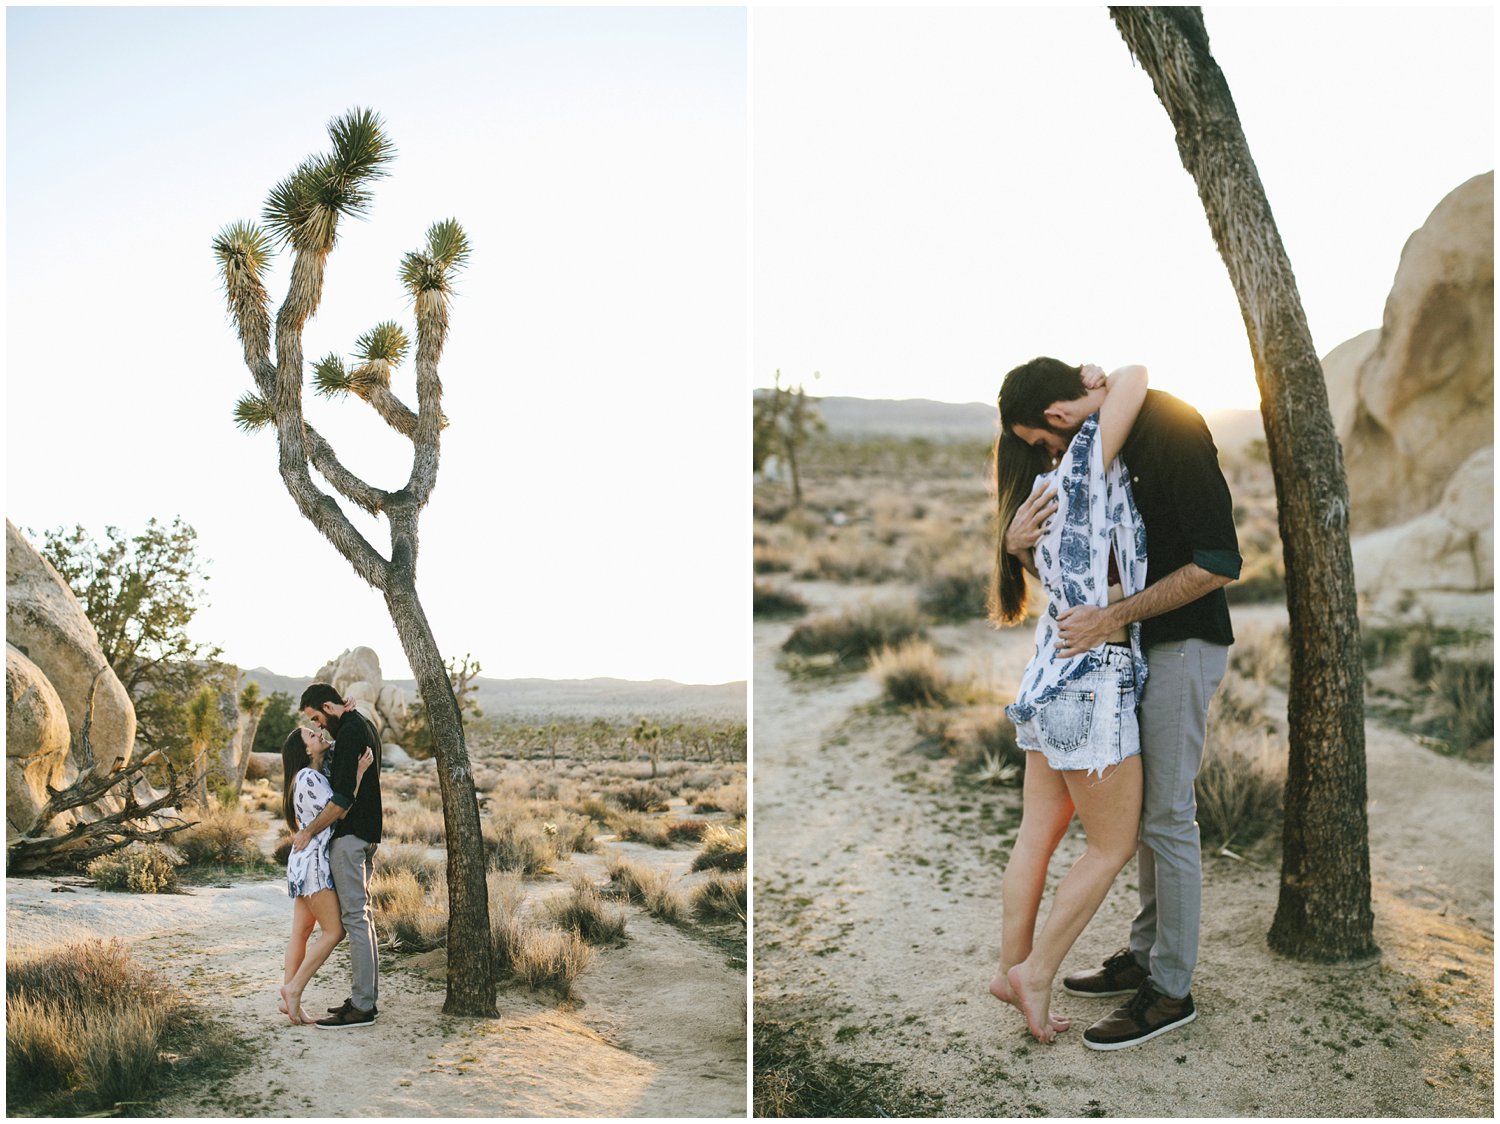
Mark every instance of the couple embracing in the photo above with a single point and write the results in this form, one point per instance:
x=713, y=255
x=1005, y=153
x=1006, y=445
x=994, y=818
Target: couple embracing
x=1112, y=496
x=331, y=796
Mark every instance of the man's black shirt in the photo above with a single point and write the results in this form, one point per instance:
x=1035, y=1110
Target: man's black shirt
x=1184, y=501
x=363, y=821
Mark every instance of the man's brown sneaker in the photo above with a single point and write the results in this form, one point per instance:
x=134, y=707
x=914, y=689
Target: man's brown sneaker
x=1148, y=1014
x=341, y=1008
x=1120, y=975
x=349, y=1016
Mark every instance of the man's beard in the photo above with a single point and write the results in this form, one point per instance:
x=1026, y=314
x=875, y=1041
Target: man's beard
x=331, y=723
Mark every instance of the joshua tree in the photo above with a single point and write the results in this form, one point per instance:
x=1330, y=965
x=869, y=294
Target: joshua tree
x=648, y=735
x=302, y=212
x=205, y=725
x=1324, y=909
x=783, y=422
x=251, y=705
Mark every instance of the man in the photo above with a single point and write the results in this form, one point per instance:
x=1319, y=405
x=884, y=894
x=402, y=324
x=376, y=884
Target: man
x=356, y=833
x=1192, y=553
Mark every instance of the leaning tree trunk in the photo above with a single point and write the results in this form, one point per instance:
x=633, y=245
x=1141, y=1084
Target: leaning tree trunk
x=1324, y=909
x=303, y=212
x=466, y=865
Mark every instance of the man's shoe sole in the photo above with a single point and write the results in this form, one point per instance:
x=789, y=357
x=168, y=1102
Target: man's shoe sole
x=344, y=1026
x=1129, y=1042
x=1101, y=994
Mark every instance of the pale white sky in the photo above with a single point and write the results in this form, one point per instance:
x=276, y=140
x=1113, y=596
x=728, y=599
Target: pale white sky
x=940, y=194
x=591, y=509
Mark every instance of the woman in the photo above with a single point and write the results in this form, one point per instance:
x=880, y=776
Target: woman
x=305, y=792
x=1076, y=715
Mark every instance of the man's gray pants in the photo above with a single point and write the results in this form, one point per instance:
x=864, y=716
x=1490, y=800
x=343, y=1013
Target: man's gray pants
x=1182, y=678
x=353, y=861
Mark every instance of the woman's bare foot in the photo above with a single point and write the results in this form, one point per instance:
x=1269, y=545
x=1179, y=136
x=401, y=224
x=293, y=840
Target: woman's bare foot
x=1001, y=989
x=1033, y=997
x=292, y=1001
x=281, y=1001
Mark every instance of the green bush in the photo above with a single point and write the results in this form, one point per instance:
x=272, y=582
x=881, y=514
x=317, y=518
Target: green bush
x=139, y=869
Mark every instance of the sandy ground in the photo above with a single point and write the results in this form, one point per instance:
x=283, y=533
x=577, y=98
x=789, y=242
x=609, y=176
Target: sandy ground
x=877, y=904
x=659, y=1028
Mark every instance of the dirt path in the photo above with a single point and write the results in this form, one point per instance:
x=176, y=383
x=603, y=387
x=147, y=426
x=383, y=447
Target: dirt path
x=877, y=911
x=659, y=1029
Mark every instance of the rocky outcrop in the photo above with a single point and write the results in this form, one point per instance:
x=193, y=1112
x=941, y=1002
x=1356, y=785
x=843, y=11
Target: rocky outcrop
x=45, y=622
x=355, y=674
x=1414, y=405
x=36, y=742
x=1425, y=397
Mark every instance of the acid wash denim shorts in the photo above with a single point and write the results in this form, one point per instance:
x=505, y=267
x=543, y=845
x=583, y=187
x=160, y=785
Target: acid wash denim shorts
x=1091, y=723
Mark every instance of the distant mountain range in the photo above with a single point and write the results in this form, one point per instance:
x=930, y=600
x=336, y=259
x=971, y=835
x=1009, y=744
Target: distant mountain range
x=611, y=699
x=975, y=421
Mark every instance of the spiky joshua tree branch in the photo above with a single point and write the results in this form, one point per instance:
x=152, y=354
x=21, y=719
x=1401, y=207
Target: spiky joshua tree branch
x=302, y=215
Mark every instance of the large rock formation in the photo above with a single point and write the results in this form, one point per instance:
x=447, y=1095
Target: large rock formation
x=355, y=674
x=52, y=658
x=45, y=622
x=36, y=742
x=1425, y=397
x=1414, y=405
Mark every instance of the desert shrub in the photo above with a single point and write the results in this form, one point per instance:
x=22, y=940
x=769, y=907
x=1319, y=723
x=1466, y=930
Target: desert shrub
x=911, y=676
x=84, y=1026
x=546, y=959
x=1421, y=662
x=1466, y=689
x=403, y=914
x=732, y=799
x=650, y=889
x=225, y=836
x=855, y=635
x=595, y=808
x=1263, y=655
x=421, y=823
x=986, y=750
x=412, y=858
x=954, y=595
x=641, y=798
x=686, y=831
x=1240, y=784
x=574, y=834
x=519, y=845
x=771, y=602
x=282, y=851
x=584, y=911
x=769, y=560
x=139, y=868
x=845, y=559
x=723, y=849
x=633, y=827
x=722, y=897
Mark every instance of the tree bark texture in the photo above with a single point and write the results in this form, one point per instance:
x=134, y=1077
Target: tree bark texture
x=1324, y=910
x=471, y=987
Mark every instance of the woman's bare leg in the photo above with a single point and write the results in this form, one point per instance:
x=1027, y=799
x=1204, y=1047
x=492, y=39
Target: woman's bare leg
x=302, y=927
x=1046, y=810
x=324, y=906
x=1110, y=810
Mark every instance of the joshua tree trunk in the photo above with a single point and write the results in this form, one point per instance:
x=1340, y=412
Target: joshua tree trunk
x=303, y=211
x=1324, y=909
x=466, y=865
x=251, y=707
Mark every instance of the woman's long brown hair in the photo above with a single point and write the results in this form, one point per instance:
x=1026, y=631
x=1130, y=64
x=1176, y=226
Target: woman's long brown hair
x=294, y=758
x=1016, y=466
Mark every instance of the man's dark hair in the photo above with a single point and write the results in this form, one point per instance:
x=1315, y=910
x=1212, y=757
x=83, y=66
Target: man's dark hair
x=1030, y=388
x=318, y=694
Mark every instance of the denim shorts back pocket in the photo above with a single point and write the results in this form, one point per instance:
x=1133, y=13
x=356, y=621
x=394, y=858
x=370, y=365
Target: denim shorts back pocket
x=1067, y=718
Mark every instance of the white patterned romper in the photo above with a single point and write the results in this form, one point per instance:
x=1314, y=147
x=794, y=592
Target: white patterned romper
x=307, y=870
x=1080, y=712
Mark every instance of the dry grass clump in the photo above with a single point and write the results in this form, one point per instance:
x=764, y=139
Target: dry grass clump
x=1241, y=782
x=419, y=823
x=910, y=675
x=1262, y=655
x=633, y=827
x=846, y=559
x=984, y=746
x=404, y=915
x=224, y=836
x=84, y=1028
x=771, y=560
x=1465, y=690
x=723, y=849
x=650, y=889
x=584, y=911
x=262, y=796
x=732, y=799
x=773, y=603
x=852, y=637
x=595, y=808
x=640, y=798
x=686, y=831
x=523, y=951
x=282, y=851
x=955, y=595
x=140, y=868
x=520, y=845
x=721, y=898
x=412, y=858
